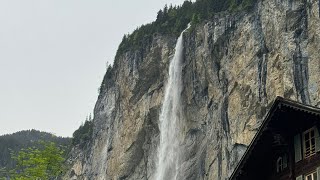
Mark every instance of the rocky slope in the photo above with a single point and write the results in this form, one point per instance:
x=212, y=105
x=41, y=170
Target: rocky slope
x=233, y=68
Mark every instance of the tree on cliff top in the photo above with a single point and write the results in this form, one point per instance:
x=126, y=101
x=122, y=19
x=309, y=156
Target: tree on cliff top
x=84, y=133
x=172, y=20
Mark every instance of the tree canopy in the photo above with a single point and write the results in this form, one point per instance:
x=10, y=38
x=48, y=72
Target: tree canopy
x=22, y=140
x=43, y=162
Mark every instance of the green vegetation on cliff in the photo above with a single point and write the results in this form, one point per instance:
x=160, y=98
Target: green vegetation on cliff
x=171, y=21
x=83, y=134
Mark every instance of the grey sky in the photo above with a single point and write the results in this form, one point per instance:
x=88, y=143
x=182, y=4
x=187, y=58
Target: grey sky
x=53, y=56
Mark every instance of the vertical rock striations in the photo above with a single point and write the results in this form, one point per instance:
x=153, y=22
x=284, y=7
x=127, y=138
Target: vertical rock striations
x=233, y=67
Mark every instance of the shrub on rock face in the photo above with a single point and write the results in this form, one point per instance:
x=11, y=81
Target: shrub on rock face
x=83, y=134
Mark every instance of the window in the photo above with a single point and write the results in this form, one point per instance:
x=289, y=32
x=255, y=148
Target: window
x=282, y=163
x=309, y=143
x=279, y=164
x=311, y=176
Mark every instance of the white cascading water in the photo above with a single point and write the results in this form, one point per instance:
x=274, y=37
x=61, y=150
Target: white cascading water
x=171, y=112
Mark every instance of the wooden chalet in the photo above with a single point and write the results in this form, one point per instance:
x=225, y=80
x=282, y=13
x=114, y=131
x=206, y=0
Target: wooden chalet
x=286, y=146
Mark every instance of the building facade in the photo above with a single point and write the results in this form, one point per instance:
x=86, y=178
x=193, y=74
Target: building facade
x=286, y=147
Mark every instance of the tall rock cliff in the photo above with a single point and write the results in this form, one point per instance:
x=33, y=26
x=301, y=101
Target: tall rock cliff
x=234, y=66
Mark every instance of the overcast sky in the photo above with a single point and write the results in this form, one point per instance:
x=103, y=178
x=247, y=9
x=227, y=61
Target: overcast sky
x=53, y=55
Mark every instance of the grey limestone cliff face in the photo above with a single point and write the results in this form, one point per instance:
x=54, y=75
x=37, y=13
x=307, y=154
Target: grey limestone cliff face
x=234, y=66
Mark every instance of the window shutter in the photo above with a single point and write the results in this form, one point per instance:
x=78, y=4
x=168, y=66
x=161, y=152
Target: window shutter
x=297, y=148
x=299, y=177
x=318, y=173
x=317, y=139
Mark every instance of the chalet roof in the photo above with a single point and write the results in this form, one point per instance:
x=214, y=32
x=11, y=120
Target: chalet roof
x=277, y=105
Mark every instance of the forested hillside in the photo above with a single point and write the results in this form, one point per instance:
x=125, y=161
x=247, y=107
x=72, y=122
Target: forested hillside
x=24, y=139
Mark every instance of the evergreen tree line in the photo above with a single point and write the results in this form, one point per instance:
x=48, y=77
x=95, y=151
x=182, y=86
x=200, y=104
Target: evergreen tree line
x=83, y=134
x=173, y=19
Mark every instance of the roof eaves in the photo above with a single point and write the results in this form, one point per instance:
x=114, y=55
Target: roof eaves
x=262, y=127
x=278, y=102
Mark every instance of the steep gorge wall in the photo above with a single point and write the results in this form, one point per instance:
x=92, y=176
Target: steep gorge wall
x=234, y=67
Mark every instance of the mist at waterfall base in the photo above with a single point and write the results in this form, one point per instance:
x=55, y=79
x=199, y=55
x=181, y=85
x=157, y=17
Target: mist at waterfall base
x=170, y=116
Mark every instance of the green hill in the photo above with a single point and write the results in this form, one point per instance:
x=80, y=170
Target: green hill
x=24, y=139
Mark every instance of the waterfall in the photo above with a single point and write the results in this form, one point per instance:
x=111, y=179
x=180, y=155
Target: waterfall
x=171, y=112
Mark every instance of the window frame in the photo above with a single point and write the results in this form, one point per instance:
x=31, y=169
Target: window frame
x=312, y=175
x=310, y=142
